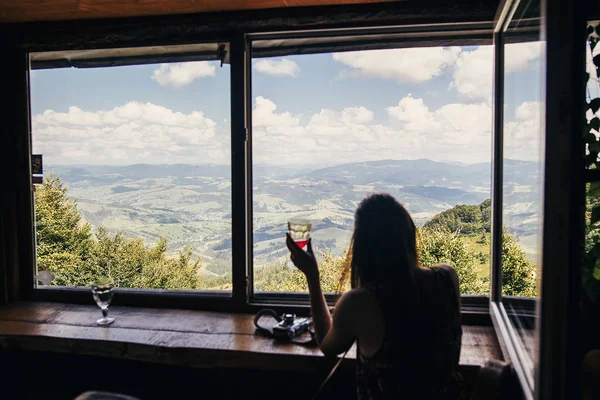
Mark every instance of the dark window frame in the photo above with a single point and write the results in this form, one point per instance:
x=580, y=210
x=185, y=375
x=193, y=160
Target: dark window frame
x=555, y=370
x=403, y=37
x=508, y=337
x=180, y=30
x=242, y=296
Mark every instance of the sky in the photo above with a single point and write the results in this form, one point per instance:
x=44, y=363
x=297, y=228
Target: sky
x=319, y=110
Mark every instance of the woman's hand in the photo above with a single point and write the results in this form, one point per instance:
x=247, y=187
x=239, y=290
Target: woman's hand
x=304, y=260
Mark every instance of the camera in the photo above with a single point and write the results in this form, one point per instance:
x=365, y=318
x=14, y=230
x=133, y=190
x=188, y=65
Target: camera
x=290, y=327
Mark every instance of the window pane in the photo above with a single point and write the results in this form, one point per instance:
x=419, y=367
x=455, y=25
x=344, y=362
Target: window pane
x=523, y=173
x=136, y=175
x=330, y=129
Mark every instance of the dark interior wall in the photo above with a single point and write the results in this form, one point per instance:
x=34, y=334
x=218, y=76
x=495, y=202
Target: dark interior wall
x=30, y=375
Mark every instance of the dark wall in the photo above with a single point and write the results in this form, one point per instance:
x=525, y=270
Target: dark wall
x=28, y=375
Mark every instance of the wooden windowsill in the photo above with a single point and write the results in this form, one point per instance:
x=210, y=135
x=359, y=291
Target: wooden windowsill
x=183, y=337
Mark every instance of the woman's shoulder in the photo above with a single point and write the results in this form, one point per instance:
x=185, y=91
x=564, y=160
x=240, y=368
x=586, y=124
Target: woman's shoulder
x=444, y=273
x=359, y=308
x=358, y=302
x=358, y=297
x=443, y=267
x=450, y=271
x=449, y=281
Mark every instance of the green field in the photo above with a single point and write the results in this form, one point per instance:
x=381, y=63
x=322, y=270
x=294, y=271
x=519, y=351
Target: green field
x=474, y=243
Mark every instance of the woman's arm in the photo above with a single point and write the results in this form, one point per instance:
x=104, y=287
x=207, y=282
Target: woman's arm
x=334, y=335
x=318, y=307
x=307, y=263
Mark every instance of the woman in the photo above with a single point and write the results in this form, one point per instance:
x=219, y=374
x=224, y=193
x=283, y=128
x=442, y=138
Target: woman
x=404, y=318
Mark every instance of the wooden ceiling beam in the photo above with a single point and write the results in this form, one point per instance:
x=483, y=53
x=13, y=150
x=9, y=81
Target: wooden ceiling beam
x=219, y=26
x=12, y=11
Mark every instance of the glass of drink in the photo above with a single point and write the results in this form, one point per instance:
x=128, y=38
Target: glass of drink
x=299, y=231
x=102, y=290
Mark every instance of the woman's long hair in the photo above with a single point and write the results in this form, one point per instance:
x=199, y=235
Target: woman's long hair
x=383, y=250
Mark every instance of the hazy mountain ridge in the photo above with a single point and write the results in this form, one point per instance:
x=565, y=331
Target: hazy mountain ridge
x=191, y=204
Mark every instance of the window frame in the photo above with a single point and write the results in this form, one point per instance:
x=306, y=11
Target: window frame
x=217, y=300
x=508, y=337
x=242, y=296
x=555, y=369
x=435, y=35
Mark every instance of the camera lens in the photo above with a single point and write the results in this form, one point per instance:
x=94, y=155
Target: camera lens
x=288, y=319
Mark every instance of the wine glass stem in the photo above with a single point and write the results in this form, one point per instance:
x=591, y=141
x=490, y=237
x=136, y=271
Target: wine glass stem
x=105, y=312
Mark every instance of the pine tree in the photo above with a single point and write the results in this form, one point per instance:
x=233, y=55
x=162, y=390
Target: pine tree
x=68, y=250
x=63, y=240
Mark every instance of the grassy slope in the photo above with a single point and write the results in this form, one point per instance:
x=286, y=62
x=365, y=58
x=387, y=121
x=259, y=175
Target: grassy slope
x=473, y=243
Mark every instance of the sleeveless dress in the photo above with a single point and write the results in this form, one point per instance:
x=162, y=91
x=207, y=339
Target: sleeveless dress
x=420, y=352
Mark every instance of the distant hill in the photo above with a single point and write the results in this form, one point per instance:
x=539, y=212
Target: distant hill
x=115, y=173
x=424, y=172
x=191, y=204
x=466, y=219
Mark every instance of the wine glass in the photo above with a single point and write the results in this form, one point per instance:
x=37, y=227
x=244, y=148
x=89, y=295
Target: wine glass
x=102, y=290
x=299, y=231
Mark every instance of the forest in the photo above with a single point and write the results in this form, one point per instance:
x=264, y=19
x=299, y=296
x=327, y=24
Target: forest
x=75, y=254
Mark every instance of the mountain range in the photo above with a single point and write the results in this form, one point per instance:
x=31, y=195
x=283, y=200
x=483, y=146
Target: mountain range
x=191, y=204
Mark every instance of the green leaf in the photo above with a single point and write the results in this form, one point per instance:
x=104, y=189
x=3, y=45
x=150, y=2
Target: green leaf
x=594, y=189
x=594, y=105
x=595, y=148
x=598, y=29
x=593, y=253
x=589, y=138
x=595, y=214
x=597, y=60
x=595, y=123
x=591, y=158
x=589, y=30
x=597, y=273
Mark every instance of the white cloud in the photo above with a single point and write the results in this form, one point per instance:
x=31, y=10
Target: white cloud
x=519, y=57
x=182, y=74
x=412, y=65
x=357, y=115
x=141, y=113
x=264, y=115
x=128, y=134
x=523, y=137
x=473, y=73
x=528, y=110
x=454, y=132
x=472, y=70
x=451, y=124
x=283, y=67
x=148, y=133
x=409, y=110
